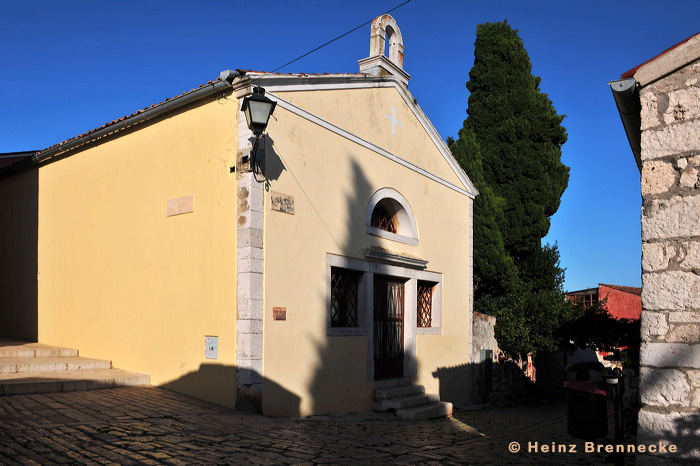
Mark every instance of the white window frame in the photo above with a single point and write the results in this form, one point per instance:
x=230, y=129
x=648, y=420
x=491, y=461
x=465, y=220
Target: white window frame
x=408, y=231
x=436, y=310
x=365, y=300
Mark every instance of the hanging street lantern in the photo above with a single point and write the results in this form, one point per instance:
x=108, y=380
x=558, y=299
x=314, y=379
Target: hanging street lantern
x=257, y=109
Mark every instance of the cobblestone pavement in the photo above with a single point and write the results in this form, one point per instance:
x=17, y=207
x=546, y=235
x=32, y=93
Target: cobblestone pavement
x=148, y=425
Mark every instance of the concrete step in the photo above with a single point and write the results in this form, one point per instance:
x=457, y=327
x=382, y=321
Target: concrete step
x=429, y=411
x=395, y=392
x=388, y=383
x=404, y=402
x=66, y=381
x=42, y=364
x=19, y=349
x=27, y=367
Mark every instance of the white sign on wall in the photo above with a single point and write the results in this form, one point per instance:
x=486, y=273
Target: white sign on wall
x=211, y=347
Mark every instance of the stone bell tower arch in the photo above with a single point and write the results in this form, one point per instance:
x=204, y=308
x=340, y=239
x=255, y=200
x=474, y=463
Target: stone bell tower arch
x=385, y=29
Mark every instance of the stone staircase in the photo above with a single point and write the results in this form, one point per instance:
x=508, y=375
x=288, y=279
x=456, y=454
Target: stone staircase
x=27, y=368
x=408, y=401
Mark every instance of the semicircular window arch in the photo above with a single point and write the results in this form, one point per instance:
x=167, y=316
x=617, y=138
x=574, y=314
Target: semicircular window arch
x=390, y=216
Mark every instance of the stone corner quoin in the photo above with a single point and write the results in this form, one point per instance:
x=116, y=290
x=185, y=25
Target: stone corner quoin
x=670, y=323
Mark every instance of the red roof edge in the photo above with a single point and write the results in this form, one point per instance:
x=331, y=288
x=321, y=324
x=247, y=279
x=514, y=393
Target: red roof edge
x=631, y=73
x=625, y=289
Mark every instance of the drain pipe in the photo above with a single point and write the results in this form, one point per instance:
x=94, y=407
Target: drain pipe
x=626, y=97
x=225, y=82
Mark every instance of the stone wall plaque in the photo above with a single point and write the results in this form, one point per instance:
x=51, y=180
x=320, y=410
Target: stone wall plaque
x=181, y=205
x=279, y=313
x=282, y=203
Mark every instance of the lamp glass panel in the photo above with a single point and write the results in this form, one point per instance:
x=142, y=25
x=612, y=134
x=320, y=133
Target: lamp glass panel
x=259, y=112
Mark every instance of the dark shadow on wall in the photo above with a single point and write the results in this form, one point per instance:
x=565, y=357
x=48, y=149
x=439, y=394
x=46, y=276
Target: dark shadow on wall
x=551, y=372
x=454, y=382
x=499, y=383
x=670, y=425
x=342, y=360
x=270, y=163
x=19, y=214
x=217, y=383
x=687, y=427
x=341, y=369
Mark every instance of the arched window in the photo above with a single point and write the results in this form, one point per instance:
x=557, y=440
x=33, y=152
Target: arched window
x=389, y=216
x=383, y=219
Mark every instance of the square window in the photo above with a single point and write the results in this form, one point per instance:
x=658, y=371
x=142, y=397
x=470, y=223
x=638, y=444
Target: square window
x=428, y=303
x=344, y=297
x=424, y=304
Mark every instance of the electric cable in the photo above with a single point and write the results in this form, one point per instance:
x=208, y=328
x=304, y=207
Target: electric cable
x=339, y=37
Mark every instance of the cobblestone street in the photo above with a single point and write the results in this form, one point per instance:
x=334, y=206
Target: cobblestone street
x=155, y=426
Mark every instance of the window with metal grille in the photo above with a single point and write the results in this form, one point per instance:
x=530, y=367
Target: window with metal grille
x=344, y=285
x=424, y=304
x=383, y=219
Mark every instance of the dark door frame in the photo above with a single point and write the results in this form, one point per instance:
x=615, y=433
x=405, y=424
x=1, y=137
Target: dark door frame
x=388, y=326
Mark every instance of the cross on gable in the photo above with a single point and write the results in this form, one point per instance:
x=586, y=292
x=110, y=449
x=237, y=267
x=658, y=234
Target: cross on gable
x=394, y=121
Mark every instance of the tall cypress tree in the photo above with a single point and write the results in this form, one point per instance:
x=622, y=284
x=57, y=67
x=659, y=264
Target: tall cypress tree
x=510, y=146
x=493, y=267
x=520, y=136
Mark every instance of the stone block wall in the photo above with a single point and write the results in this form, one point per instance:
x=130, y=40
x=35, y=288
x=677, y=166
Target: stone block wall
x=483, y=334
x=509, y=384
x=482, y=338
x=670, y=181
x=249, y=273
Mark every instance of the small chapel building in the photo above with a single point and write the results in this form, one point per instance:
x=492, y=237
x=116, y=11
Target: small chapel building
x=296, y=279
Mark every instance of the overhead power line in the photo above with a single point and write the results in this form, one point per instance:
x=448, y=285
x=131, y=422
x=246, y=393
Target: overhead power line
x=339, y=37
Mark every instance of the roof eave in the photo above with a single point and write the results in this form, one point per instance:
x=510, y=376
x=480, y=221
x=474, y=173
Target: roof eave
x=666, y=62
x=223, y=83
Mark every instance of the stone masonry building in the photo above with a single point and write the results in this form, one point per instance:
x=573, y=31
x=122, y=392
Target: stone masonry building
x=659, y=102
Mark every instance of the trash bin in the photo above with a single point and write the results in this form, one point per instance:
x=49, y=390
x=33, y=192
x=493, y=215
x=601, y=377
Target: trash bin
x=586, y=407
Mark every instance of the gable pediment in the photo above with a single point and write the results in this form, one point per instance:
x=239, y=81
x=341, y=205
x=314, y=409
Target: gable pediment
x=379, y=113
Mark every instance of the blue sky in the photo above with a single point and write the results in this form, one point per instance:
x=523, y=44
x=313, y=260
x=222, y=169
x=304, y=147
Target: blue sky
x=70, y=66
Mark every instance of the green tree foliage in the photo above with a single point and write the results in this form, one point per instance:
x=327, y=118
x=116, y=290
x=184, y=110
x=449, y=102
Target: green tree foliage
x=520, y=136
x=495, y=268
x=593, y=327
x=532, y=309
x=510, y=146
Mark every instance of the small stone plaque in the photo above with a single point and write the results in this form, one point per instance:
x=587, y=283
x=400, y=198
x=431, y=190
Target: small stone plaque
x=279, y=313
x=181, y=205
x=282, y=203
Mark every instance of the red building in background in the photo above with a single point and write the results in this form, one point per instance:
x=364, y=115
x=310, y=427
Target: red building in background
x=624, y=302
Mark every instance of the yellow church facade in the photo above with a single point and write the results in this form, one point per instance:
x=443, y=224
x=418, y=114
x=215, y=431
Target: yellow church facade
x=295, y=280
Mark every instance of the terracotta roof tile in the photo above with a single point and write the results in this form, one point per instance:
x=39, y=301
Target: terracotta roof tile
x=110, y=123
x=626, y=289
x=118, y=120
x=303, y=74
x=113, y=122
